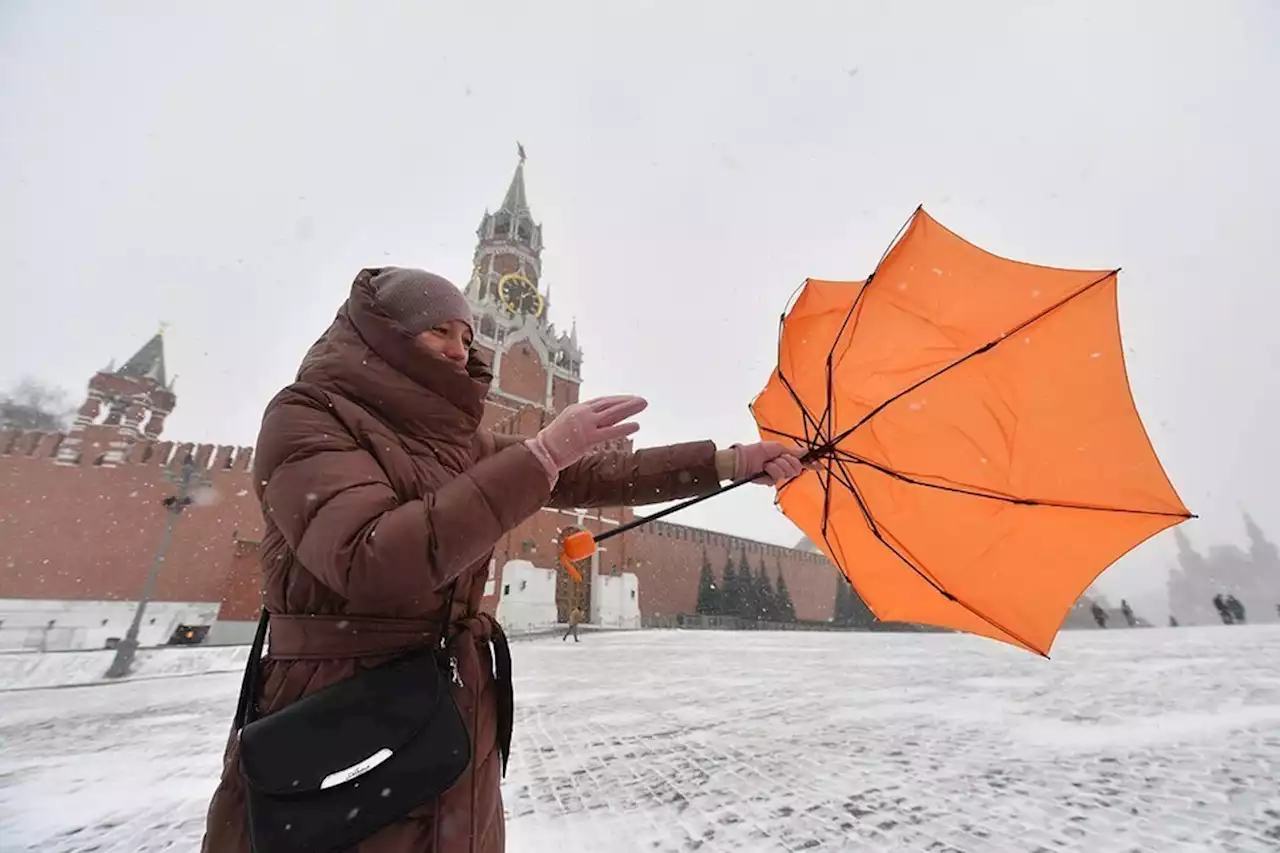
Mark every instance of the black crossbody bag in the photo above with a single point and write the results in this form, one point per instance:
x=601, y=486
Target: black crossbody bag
x=326, y=772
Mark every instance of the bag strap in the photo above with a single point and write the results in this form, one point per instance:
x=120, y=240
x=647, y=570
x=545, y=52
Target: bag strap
x=245, y=707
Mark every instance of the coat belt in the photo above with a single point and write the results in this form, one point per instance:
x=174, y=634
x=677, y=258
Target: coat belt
x=308, y=637
x=298, y=636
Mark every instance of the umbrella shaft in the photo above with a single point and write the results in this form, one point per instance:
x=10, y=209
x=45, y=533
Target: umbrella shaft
x=632, y=525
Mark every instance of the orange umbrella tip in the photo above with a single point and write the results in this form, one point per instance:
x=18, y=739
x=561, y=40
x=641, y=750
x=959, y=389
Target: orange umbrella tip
x=578, y=546
x=571, y=569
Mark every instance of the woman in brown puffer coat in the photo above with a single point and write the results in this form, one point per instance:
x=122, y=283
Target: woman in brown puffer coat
x=381, y=493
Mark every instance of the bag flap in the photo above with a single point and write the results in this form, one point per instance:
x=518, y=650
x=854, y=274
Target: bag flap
x=343, y=731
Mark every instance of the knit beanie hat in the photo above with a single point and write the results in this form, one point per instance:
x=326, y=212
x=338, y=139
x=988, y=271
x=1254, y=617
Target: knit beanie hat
x=419, y=300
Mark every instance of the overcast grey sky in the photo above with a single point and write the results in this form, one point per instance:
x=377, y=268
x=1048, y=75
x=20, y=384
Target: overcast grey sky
x=228, y=167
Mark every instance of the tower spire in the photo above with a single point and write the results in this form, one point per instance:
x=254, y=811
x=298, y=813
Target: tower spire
x=148, y=362
x=516, y=200
x=1261, y=549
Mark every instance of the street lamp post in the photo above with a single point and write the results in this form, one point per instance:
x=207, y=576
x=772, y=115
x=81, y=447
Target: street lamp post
x=187, y=481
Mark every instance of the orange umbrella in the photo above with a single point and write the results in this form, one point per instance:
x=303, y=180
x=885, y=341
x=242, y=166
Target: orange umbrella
x=981, y=457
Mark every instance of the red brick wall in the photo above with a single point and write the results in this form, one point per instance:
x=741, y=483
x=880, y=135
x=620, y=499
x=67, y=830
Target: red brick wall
x=242, y=589
x=505, y=264
x=522, y=373
x=89, y=532
x=563, y=392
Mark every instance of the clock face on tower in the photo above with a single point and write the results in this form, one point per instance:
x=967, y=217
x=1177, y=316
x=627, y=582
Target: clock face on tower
x=520, y=296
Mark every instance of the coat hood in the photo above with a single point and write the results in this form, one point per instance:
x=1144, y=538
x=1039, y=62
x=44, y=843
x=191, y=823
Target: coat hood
x=368, y=357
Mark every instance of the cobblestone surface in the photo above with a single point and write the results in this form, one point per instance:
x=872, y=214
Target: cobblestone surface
x=1154, y=740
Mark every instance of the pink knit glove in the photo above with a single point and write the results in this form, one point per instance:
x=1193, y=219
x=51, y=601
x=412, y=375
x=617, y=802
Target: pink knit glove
x=582, y=427
x=778, y=463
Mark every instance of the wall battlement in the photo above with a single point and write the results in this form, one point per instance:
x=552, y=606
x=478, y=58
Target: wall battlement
x=34, y=444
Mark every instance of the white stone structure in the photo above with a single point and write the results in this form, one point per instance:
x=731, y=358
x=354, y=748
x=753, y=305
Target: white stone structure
x=46, y=625
x=527, y=600
x=615, y=601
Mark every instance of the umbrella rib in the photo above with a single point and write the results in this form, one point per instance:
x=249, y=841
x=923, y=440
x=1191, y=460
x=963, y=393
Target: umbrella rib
x=849, y=484
x=808, y=417
x=803, y=441
x=979, y=351
x=828, y=413
x=826, y=501
x=896, y=238
x=973, y=491
x=805, y=414
x=924, y=574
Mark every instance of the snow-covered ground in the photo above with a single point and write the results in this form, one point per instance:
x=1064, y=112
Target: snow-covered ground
x=28, y=670
x=1154, y=740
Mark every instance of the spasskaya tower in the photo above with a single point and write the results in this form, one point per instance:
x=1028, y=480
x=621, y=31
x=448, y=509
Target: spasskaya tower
x=537, y=369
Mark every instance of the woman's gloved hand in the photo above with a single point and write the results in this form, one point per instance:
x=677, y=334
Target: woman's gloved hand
x=583, y=426
x=779, y=463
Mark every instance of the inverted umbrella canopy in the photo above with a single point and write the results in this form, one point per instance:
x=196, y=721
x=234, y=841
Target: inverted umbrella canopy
x=981, y=457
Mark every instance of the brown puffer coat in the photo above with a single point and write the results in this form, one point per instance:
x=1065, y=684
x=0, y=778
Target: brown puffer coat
x=379, y=491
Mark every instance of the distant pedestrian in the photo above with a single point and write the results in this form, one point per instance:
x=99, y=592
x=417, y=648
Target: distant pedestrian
x=1236, y=608
x=1173, y=621
x=1128, y=613
x=1224, y=612
x=575, y=617
x=1099, y=615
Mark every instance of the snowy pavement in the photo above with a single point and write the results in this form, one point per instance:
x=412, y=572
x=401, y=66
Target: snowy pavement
x=1155, y=740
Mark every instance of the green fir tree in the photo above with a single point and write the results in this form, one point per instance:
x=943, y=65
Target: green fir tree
x=768, y=598
x=730, y=591
x=749, y=600
x=851, y=611
x=708, y=591
x=786, y=607
x=844, y=601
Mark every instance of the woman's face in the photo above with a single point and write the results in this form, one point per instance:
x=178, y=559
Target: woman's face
x=450, y=341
